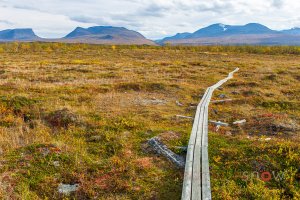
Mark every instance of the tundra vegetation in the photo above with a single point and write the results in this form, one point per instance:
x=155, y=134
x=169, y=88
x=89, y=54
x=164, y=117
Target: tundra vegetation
x=81, y=115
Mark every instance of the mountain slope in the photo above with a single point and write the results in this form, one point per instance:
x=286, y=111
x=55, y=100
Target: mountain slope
x=293, y=31
x=18, y=35
x=216, y=30
x=106, y=35
x=177, y=36
x=252, y=33
x=92, y=35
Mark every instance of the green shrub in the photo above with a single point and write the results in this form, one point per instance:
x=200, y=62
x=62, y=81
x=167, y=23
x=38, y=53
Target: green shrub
x=129, y=87
x=20, y=106
x=281, y=105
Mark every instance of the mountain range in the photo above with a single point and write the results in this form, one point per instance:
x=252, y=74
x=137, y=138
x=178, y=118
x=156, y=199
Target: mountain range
x=92, y=35
x=18, y=35
x=106, y=35
x=252, y=34
x=221, y=34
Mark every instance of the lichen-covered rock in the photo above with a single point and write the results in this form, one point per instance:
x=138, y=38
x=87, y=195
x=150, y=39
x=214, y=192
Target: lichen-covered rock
x=62, y=118
x=67, y=188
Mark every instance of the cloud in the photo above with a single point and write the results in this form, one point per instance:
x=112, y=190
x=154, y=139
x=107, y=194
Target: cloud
x=154, y=10
x=88, y=19
x=278, y=3
x=153, y=18
x=6, y=22
x=45, y=24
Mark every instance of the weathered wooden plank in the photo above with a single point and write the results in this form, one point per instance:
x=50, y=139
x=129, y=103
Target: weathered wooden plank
x=221, y=101
x=197, y=175
x=188, y=175
x=218, y=123
x=185, y=117
x=162, y=149
x=239, y=122
x=206, y=190
x=196, y=183
x=187, y=183
x=196, y=180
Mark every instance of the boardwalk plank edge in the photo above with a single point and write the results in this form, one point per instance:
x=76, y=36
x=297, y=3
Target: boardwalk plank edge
x=196, y=184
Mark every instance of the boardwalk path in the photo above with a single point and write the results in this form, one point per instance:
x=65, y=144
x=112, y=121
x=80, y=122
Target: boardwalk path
x=196, y=185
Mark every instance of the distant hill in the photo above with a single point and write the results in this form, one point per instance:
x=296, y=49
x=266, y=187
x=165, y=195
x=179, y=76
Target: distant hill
x=215, y=34
x=18, y=35
x=225, y=30
x=177, y=36
x=293, y=31
x=106, y=35
x=252, y=33
x=92, y=35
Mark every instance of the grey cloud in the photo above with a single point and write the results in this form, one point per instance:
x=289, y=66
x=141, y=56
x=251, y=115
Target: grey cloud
x=114, y=20
x=6, y=22
x=278, y=3
x=183, y=24
x=154, y=10
x=213, y=6
x=129, y=20
x=26, y=7
x=153, y=17
x=87, y=19
x=221, y=7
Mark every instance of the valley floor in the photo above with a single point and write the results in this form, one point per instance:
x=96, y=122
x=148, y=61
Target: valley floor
x=81, y=115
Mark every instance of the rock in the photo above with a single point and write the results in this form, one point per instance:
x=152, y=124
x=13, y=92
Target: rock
x=258, y=166
x=45, y=151
x=67, y=188
x=178, y=103
x=222, y=96
x=62, y=118
x=149, y=132
x=265, y=139
x=228, y=133
x=95, y=138
x=288, y=125
x=215, y=111
x=56, y=163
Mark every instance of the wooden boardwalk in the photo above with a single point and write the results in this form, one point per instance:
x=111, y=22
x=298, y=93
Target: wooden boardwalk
x=196, y=185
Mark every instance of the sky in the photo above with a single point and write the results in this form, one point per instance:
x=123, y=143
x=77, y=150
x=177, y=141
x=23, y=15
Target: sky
x=153, y=18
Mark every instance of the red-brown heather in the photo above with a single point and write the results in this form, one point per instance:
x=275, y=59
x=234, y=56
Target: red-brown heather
x=81, y=115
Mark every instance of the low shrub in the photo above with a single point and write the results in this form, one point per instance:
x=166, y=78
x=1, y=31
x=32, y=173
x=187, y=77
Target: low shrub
x=62, y=118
